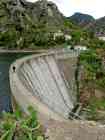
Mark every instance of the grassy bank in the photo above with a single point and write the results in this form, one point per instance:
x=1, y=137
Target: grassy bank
x=16, y=126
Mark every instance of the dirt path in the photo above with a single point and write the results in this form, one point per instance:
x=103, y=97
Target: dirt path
x=75, y=130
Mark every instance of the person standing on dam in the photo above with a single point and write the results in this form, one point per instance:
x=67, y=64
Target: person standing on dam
x=14, y=68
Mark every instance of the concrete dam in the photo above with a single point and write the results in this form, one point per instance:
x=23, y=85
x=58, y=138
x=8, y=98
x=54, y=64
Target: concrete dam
x=47, y=82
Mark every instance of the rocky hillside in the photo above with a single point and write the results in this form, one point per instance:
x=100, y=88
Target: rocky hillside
x=18, y=11
x=98, y=26
x=28, y=23
x=89, y=23
x=81, y=19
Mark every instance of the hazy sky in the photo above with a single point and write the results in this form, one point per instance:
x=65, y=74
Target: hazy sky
x=95, y=8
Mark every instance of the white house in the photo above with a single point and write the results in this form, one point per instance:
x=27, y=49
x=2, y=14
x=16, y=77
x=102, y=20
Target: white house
x=61, y=34
x=67, y=37
x=102, y=38
x=80, y=48
x=58, y=34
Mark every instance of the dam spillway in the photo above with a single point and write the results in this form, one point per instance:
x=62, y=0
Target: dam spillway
x=41, y=81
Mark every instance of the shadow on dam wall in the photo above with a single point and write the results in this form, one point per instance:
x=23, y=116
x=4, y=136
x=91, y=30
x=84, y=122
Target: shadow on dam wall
x=47, y=82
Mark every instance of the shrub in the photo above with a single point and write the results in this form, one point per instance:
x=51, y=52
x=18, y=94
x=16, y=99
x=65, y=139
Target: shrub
x=17, y=126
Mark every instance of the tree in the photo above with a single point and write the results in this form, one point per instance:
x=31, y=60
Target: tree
x=76, y=36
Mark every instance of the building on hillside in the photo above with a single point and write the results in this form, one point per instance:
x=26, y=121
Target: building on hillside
x=80, y=48
x=67, y=37
x=61, y=34
x=102, y=38
x=58, y=34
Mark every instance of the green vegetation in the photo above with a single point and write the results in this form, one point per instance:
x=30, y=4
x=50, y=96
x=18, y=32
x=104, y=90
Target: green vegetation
x=16, y=126
x=94, y=70
x=93, y=80
x=20, y=29
x=95, y=109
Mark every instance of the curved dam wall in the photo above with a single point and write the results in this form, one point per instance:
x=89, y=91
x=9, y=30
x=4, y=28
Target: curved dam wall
x=46, y=82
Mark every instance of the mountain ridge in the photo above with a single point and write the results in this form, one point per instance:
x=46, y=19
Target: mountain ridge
x=81, y=19
x=90, y=23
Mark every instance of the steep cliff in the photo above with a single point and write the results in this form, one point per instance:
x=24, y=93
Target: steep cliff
x=27, y=24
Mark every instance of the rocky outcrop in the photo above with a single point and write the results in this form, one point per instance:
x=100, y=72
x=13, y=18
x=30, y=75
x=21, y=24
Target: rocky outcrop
x=88, y=22
x=40, y=12
x=98, y=27
x=81, y=19
x=28, y=24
